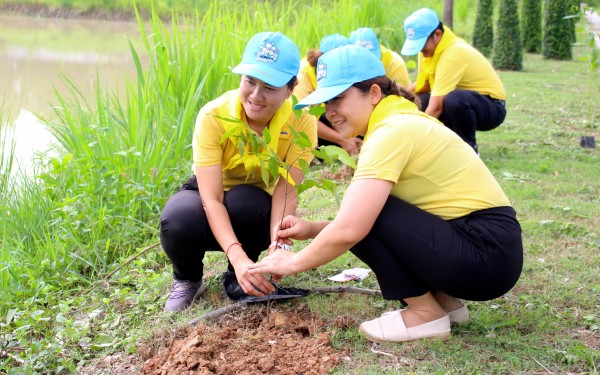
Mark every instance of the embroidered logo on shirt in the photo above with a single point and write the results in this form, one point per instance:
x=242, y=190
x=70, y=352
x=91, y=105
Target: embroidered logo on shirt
x=321, y=72
x=267, y=52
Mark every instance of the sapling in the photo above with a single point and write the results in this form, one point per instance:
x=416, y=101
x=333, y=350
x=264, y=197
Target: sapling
x=273, y=167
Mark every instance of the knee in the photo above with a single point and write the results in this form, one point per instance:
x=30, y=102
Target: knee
x=455, y=101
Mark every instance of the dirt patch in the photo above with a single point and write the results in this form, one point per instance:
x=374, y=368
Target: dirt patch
x=293, y=341
x=344, y=173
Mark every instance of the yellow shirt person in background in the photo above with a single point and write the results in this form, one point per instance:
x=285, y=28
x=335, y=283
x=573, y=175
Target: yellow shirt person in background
x=307, y=83
x=226, y=206
x=455, y=82
x=422, y=210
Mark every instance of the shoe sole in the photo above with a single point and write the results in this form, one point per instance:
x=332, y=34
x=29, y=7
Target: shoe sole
x=441, y=336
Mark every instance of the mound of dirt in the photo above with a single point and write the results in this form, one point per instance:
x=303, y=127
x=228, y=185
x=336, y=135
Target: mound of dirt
x=291, y=341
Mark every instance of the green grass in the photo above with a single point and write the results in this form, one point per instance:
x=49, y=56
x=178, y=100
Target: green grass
x=97, y=204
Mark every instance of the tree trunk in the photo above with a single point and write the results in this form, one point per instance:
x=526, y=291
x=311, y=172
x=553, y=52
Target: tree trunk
x=448, y=11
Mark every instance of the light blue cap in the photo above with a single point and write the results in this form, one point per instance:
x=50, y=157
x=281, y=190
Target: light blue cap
x=339, y=69
x=365, y=37
x=331, y=41
x=271, y=57
x=418, y=26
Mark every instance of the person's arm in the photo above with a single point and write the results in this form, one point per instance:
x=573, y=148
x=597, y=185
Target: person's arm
x=210, y=187
x=436, y=106
x=362, y=203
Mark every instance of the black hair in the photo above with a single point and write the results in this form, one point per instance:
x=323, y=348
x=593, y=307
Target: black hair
x=388, y=87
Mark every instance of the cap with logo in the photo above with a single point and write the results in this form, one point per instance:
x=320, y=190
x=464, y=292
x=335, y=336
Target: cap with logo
x=339, y=69
x=418, y=26
x=271, y=57
x=331, y=41
x=365, y=37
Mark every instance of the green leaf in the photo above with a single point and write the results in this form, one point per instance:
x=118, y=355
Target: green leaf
x=267, y=135
x=264, y=172
x=273, y=167
x=317, y=110
x=10, y=315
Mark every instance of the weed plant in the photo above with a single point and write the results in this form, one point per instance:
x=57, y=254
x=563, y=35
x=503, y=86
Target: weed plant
x=98, y=202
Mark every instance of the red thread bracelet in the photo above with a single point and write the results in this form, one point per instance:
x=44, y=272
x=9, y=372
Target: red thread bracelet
x=229, y=247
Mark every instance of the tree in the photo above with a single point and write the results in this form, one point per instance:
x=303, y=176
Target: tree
x=483, y=34
x=508, y=51
x=448, y=12
x=531, y=26
x=556, y=40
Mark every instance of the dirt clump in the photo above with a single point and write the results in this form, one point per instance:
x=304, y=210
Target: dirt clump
x=292, y=341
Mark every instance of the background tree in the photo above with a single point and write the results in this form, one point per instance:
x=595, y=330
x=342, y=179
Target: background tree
x=531, y=26
x=448, y=13
x=556, y=40
x=508, y=51
x=483, y=34
x=573, y=10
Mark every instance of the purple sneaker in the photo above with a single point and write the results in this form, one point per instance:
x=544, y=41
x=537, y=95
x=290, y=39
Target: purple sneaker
x=183, y=294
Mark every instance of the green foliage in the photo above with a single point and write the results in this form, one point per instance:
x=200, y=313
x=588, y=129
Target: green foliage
x=483, y=34
x=508, y=52
x=531, y=26
x=557, y=36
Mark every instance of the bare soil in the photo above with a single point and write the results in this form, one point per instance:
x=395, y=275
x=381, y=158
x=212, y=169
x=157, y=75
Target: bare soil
x=292, y=341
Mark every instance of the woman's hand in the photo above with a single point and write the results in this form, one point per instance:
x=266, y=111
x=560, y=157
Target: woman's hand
x=292, y=228
x=252, y=284
x=278, y=263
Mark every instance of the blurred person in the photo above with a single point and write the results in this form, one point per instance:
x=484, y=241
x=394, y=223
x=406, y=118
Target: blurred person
x=455, y=82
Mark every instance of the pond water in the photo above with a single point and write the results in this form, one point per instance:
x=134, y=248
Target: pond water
x=36, y=54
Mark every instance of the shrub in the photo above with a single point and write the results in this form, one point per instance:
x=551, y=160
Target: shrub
x=483, y=33
x=556, y=42
x=531, y=26
x=508, y=52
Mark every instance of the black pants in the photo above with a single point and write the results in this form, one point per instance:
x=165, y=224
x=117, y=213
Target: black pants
x=186, y=236
x=466, y=111
x=477, y=257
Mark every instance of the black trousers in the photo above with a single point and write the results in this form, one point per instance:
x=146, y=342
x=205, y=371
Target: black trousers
x=477, y=257
x=185, y=234
x=467, y=111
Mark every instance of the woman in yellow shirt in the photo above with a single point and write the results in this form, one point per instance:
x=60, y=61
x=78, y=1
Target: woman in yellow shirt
x=422, y=210
x=226, y=205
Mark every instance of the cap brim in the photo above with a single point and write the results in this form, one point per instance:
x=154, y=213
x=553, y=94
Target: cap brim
x=264, y=73
x=321, y=95
x=413, y=47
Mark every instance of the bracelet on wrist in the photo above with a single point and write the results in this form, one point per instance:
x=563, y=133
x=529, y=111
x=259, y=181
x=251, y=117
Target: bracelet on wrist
x=230, y=246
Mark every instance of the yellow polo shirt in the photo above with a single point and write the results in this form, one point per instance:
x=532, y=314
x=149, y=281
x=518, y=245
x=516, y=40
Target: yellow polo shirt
x=431, y=167
x=462, y=67
x=307, y=80
x=395, y=67
x=208, y=150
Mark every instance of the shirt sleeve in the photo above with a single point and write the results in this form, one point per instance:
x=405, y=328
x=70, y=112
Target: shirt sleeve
x=206, y=142
x=304, y=86
x=385, y=154
x=396, y=70
x=448, y=74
